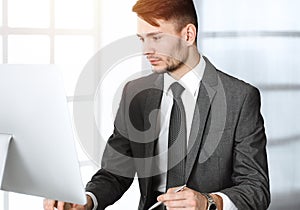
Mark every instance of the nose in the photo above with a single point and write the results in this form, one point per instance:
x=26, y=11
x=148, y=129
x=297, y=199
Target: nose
x=148, y=48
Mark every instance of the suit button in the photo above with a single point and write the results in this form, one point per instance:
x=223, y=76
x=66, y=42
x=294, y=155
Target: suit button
x=144, y=196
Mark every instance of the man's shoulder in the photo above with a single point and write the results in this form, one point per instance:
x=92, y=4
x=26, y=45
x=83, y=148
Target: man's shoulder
x=230, y=83
x=146, y=81
x=235, y=84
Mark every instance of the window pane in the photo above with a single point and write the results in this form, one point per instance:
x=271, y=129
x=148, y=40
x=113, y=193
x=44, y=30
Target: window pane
x=29, y=13
x=264, y=15
x=279, y=107
x=1, y=200
x=72, y=53
x=74, y=14
x=1, y=50
x=284, y=176
x=28, y=49
x=126, y=24
x=257, y=60
x=20, y=201
x=1, y=12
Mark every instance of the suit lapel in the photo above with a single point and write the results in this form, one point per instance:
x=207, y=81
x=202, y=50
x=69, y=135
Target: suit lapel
x=205, y=97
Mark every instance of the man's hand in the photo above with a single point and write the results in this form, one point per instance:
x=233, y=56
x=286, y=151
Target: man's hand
x=186, y=199
x=51, y=204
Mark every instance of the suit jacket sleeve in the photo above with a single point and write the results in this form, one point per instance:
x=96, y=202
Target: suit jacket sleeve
x=117, y=168
x=250, y=170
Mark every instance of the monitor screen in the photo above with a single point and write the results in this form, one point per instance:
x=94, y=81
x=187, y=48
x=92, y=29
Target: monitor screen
x=41, y=158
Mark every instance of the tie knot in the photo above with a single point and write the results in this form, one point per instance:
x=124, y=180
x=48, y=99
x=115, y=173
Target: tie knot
x=177, y=89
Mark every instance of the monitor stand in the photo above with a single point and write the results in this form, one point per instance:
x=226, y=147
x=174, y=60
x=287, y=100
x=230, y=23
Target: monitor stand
x=4, y=145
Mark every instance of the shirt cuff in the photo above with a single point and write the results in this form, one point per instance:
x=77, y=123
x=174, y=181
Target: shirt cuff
x=227, y=203
x=94, y=199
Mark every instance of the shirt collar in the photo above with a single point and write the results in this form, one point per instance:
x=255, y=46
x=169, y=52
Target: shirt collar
x=190, y=81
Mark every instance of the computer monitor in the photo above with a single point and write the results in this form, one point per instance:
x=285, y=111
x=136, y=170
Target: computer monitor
x=41, y=159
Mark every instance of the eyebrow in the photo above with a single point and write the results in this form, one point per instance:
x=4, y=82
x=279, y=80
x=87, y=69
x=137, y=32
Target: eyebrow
x=149, y=34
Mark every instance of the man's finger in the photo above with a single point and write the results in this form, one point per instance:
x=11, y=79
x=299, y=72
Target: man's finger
x=77, y=207
x=176, y=204
x=49, y=204
x=171, y=196
x=171, y=190
x=60, y=205
x=174, y=189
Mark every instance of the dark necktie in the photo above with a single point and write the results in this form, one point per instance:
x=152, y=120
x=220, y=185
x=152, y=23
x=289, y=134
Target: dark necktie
x=177, y=140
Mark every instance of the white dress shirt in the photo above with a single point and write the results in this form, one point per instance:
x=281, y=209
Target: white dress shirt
x=191, y=82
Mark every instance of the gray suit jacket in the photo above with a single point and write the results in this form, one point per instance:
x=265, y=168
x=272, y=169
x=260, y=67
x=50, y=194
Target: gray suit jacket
x=226, y=146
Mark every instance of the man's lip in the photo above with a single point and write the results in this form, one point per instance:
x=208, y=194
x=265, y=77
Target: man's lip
x=154, y=60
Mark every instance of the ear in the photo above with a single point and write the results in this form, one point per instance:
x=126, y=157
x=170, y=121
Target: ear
x=189, y=33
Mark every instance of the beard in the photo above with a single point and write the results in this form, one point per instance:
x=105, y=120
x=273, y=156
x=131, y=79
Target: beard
x=174, y=66
x=171, y=65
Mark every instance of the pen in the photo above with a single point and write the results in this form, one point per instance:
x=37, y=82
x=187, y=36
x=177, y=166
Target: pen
x=159, y=202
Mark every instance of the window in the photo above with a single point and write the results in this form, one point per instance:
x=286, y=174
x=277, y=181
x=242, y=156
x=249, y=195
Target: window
x=20, y=45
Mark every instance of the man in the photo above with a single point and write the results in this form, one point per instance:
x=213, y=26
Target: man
x=213, y=126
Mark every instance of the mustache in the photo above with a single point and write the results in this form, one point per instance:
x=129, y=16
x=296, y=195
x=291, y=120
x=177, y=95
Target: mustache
x=153, y=58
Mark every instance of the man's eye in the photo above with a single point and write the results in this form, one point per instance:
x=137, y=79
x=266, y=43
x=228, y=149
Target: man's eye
x=156, y=38
x=141, y=39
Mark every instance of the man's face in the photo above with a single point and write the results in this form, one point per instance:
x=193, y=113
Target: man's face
x=163, y=45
